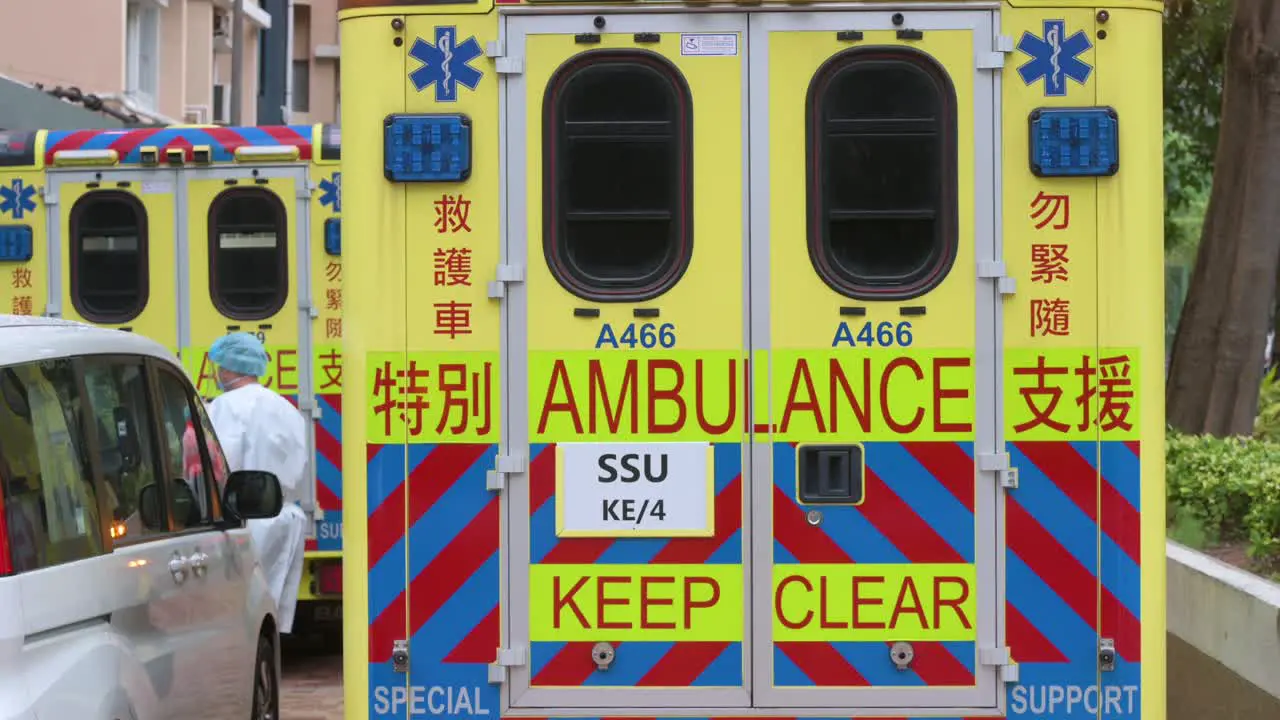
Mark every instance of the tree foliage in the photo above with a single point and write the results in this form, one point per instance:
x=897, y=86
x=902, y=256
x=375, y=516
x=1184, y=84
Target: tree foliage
x=1217, y=360
x=1195, y=41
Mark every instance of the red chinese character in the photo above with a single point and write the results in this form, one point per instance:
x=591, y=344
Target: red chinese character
x=1048, y=263
x=1085, y=372
x=453, y=266
x=452, y=214
x=452, y=378
x=331, y=366
x=416, y=390
x=384, y=393
x=22, y=305
x=1050, y=317
x=21, y=277
x=1050, y=206
x=333, y=328
x=333, y=298
x=1041, y=415
x=333, y=271
x=1114, y=393
x=453, y=319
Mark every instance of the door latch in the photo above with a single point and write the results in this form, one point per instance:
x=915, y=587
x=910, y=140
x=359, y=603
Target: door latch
x=400, y=656
x=1107, y=655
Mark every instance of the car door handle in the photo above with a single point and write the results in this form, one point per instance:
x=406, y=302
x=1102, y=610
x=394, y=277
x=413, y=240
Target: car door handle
x=178, y=568
x=199, y=563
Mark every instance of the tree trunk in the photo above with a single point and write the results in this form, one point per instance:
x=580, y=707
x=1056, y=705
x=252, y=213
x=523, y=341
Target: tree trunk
x=1219, y=351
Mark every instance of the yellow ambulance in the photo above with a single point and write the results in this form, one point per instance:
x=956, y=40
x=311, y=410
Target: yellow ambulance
x=753, y=359
x=186, y=233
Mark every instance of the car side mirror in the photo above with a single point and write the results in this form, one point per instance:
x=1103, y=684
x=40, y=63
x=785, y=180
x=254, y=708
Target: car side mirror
x=151, y=507
x=253, y=495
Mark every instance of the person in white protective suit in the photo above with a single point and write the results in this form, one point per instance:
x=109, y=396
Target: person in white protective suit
x=260, y=430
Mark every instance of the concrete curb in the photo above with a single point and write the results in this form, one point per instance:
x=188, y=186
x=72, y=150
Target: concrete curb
x=1226, y=614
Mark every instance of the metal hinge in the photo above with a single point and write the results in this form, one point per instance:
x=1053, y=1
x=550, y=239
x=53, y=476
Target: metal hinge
x=1000, y=658
x=502, y=64
x=999, y=464
x=49, y=195
x=505, y=275
x=507, y=658
x=1001, y=45
x=304, y=189
x=995, y=270
x=496, y=479
x=310, y=308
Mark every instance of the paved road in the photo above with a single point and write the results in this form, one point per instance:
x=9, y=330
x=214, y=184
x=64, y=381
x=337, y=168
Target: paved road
x=311, y=686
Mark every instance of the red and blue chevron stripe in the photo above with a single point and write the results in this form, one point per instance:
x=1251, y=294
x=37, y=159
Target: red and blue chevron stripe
x=222, y=141
x=329, y=472
x=437, y=584
x=643, y=664
x=918, y=508
x=1076, y=503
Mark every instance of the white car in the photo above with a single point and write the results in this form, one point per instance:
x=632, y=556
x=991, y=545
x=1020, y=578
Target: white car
x=129, y=589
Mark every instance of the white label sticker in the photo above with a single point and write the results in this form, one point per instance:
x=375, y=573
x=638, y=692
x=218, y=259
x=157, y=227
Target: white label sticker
x=706, y=44
x=157, y=187
x=634, y=490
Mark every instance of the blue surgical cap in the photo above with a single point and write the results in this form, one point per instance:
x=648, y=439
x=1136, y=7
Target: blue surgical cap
x=241, y=353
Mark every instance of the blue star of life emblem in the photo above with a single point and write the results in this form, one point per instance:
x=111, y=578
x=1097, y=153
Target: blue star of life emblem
x=331, y=192
x=17, y=199
x=1054, y=58
x=446, y=64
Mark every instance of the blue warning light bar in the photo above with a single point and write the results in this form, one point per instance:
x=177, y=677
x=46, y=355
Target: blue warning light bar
x=16, y=243
x=333, y=237
x=427, y=148
x=1075, y=142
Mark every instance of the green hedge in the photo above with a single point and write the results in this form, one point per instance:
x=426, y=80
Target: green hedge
x=1229, y=490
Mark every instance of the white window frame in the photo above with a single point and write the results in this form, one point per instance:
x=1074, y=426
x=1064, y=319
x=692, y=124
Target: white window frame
x=142, y=51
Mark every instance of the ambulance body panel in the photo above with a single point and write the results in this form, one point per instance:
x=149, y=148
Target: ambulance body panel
x=769, y=361
x=185, y=233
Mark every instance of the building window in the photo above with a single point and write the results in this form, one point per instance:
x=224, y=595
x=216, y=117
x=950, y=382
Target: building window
x=301, y=86
x=248, y=255
x=109, y=273
x=142, y=52
x=882, y=178
x=617, y=175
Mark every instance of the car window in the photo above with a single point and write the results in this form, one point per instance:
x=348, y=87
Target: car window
x=50, y=504
x=216, y=456
x=194, y=507
x=117, y=390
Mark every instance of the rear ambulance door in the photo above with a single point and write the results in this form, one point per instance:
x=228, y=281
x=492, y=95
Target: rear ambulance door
x=626, y=347
x=872, y=197
x=248, y=270
x=112, y=249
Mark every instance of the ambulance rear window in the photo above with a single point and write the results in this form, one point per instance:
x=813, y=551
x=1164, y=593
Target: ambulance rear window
x=109, y=257
x=882, y=173
x=248, y=258
x=616, y=175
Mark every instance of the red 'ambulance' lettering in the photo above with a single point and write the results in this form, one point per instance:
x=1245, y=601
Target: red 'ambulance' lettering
x=853, y=390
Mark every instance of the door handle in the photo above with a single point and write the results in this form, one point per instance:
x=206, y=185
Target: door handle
x=178, y=568
x=199, y=563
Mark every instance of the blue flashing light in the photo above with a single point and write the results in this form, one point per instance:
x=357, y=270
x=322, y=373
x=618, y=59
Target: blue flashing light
x=1075, y=142
x=333, y=236
x=15, y=243
x=427, y=148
